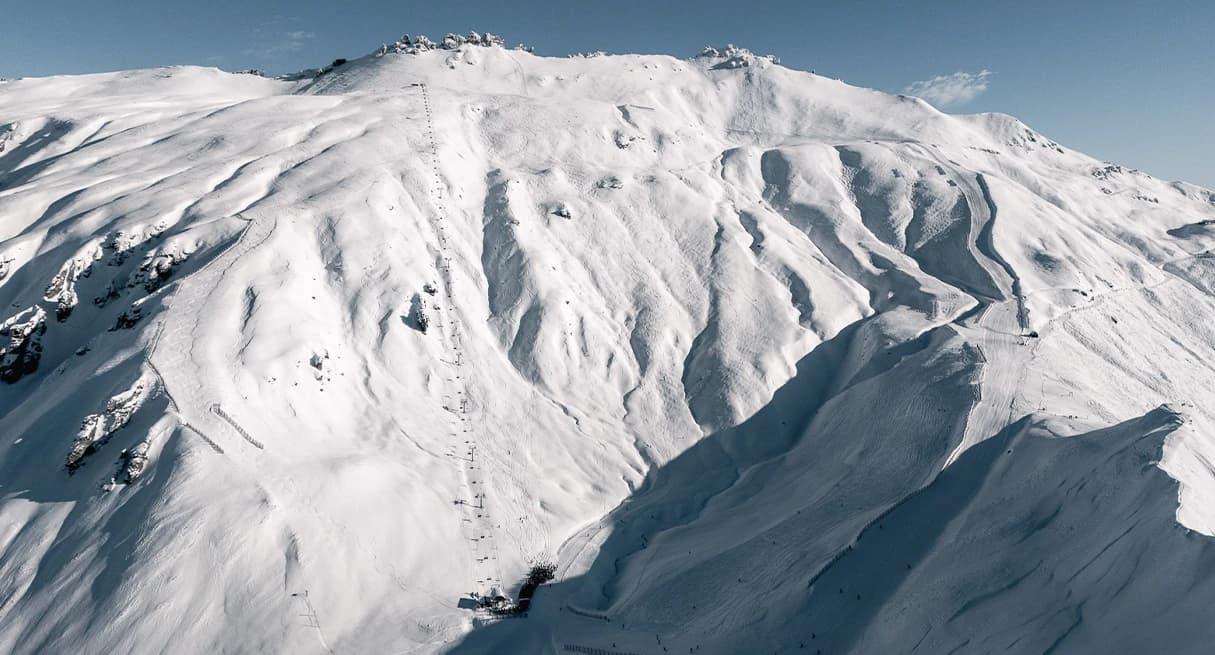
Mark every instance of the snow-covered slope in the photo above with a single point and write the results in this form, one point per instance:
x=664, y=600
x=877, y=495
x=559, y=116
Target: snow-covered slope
x=762, y=361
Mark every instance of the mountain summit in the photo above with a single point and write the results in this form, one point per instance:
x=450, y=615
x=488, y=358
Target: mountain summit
x=744, y=358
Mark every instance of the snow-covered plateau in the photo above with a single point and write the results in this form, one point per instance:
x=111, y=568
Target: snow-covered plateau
x=760, y=361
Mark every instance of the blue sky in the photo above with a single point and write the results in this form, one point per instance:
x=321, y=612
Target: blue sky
x=1131, y=82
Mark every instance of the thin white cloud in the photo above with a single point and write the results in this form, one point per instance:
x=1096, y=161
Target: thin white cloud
x=949, y=90
x=277, y=44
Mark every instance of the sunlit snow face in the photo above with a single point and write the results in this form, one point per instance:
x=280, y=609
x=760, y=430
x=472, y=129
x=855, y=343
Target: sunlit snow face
x=730, y=338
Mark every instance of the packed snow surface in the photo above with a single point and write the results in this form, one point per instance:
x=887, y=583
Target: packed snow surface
x=761, y=361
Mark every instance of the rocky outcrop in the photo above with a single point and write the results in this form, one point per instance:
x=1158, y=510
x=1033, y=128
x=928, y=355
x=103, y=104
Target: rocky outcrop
x=62, y=289
x=20, y=356
x=96, y=429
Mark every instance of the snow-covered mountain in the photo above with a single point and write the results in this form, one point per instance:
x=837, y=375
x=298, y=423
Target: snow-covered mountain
x=762, y=362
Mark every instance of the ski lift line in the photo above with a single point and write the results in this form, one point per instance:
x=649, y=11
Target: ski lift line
x=480, y=526
x=313, y=621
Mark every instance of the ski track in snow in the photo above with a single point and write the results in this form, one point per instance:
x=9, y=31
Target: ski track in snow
x=174, y=350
